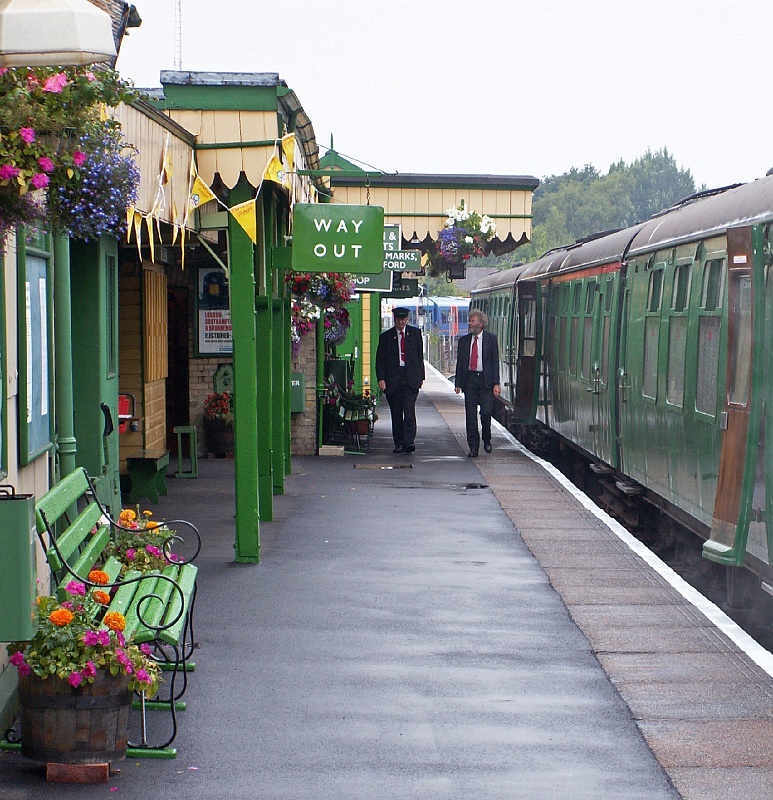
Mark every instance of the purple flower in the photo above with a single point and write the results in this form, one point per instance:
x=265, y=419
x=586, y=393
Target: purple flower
x=28, y=134
x=121, y=638
x=17, y=659
x=145, y=649
x=90, y=638
x=46, y=164
x=75, y=679
x=104, y=638
x=68, y=605
x=8, y=171
x=24, y=670
x=89, y=671
x=131, y=554
x=153, y=550
x=142, y=676
x=74, y=587
x=79, y=158
x=40, y=180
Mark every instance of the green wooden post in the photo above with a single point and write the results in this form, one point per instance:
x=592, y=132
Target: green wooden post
x=281, y=390
x=243, y=320
x=320, y=376
x=264, y=359
x=286, y=305
x=65, y=420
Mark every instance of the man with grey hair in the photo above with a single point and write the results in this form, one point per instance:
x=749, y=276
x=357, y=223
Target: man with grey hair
x=477, y=375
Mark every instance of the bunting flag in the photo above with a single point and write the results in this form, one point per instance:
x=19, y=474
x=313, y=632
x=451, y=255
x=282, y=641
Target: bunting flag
x=244, y=214
x=200, y=192
x=182, y=249
x=288, y=146
x=275, y=172
x=138, y=232
x=152, y=239
x=129, y=222
x=166, y=162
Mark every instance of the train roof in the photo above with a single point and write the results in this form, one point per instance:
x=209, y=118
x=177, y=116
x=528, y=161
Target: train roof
x=702, y=216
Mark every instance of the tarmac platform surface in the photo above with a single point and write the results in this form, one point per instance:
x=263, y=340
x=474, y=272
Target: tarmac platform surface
x=400, y=640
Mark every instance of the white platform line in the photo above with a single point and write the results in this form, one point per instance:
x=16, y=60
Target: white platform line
x=758, y=654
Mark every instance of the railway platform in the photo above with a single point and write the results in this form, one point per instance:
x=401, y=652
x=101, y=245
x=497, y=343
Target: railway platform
x=435, y=626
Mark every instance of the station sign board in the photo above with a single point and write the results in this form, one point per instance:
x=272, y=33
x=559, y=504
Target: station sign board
x=330, y=237
x=395, y=258
x=382, y=282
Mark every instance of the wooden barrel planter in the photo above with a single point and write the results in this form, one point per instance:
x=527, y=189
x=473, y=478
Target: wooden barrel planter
x=86, y=725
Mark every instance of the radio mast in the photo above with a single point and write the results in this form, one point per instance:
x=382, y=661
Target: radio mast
x=178, y=36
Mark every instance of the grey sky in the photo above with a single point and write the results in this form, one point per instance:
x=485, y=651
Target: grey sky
x=496, y=86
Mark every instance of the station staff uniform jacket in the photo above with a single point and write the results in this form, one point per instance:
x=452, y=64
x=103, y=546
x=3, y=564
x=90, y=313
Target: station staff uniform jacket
x=402, y=383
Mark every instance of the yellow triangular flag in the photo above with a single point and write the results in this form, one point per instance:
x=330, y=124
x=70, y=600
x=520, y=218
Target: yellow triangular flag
x=175, y=231
x=166, y=162
x=244, y=214
x=275, y=171
x=149, y=223
x=129, y=221
x=200, y=193
x=138, y=232
x=182, y=249
x=288, y=145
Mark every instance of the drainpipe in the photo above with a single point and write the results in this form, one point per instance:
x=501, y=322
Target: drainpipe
x=65, y=420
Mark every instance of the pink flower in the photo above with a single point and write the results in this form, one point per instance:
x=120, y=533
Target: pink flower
x=40, y=180
x=17, y=659
x=55, y=83
x=8, y=171
x=145, y=649
x=68, y=605
x=3, y=70
x=131, y=554
x=79, y=158
x=75, y=679
x=91, y=76
x=24, y=670
x=46, y=164
x=104, y=638
x=28, y=134
x=90, y=638
x=89, y=671
x=142, y=676
x=121, y=638
x=153, y=550
x=73, y=587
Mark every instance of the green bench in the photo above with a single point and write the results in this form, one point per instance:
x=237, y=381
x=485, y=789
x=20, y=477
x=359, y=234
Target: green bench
x=75, y=530
x=147, y=471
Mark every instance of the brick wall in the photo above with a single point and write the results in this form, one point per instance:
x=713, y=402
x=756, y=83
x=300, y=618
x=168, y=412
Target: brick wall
x=303, y=427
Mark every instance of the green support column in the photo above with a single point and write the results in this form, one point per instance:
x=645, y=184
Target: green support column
x=288, y=368
x=243, y=320
x=320, y=376
x=65, y=419
x=265, y=407
x=280, y=392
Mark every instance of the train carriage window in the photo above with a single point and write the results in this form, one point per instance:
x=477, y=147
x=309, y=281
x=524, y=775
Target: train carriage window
x=655, y=293
x=562, y=344
x=528, y=343
x=711, y=296
x=587, y=333
x=677, y=347
x=709, y=328
x=681, y=287
x=741, y=354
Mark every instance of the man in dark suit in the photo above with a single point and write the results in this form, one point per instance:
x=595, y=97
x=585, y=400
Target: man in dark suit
x=477, y=375
x=400, y=374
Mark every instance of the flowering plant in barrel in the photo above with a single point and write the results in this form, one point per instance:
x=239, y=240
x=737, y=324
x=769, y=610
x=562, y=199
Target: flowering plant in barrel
x=463, y=237
x=140, y=543
x=220, y=405
x=71, y=645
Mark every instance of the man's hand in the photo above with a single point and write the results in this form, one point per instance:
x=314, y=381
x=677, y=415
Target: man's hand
x=457, y=389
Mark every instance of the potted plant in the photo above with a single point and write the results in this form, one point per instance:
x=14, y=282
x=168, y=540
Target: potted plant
x=140, y=543
x=75, y=668
x=219, y=424
x=464, y=236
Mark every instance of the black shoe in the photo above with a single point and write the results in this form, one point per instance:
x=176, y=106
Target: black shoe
x=473, y=453
x=409, y=448
x=487, y=446
x=399, y=449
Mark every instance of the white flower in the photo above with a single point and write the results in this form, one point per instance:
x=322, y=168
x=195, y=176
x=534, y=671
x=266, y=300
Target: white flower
x=468, y=239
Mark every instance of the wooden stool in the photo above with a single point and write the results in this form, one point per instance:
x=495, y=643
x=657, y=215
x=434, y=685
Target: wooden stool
x=147, y=470
x=190, y=432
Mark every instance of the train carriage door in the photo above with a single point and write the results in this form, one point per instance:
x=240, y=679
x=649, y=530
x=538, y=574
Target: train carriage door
x=740, y=420
x=599, y=305
x=526, y=362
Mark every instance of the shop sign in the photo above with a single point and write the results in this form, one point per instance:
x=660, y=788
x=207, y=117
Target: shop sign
x=328, y=237
x=374, y=283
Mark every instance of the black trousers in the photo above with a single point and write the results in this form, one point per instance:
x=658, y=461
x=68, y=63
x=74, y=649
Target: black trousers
x=402, y=407
x=477, y=395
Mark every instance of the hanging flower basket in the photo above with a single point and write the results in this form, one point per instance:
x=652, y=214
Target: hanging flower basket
x=464, y=236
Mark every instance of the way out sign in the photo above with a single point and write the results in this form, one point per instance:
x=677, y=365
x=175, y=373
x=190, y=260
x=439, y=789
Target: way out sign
x=329, y=237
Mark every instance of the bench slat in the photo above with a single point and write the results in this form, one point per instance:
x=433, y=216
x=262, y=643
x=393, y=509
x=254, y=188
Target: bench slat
x=60, y=497
x=187, y=580
x=91, y=553
x=71, y=540
x=154, y=611
x=124, y=595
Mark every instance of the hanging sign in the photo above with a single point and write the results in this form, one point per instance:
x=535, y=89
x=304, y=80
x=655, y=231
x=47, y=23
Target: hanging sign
x=329, y=237
x=382, y=282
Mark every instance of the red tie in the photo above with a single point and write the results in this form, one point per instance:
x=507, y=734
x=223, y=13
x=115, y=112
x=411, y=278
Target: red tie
x=474, y=353
x=402, y=346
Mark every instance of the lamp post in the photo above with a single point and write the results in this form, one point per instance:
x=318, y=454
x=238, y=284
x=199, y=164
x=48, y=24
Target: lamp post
x=61, y=33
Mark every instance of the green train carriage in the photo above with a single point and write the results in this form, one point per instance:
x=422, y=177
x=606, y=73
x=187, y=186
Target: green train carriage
x=649, y=356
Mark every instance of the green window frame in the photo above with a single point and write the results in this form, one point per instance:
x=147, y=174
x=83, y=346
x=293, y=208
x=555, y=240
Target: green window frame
x=649, y=383
x=677, y=335
x=709, y=335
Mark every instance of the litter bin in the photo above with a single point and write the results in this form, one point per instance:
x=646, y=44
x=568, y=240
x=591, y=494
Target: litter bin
x=18, y=598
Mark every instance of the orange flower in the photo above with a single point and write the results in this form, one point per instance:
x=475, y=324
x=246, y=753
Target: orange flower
x=61, y=617
x=127, y=515
x=152, y=525
x=147, y=513
x=103, y=598
x=115, y=621
x=97, y=576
